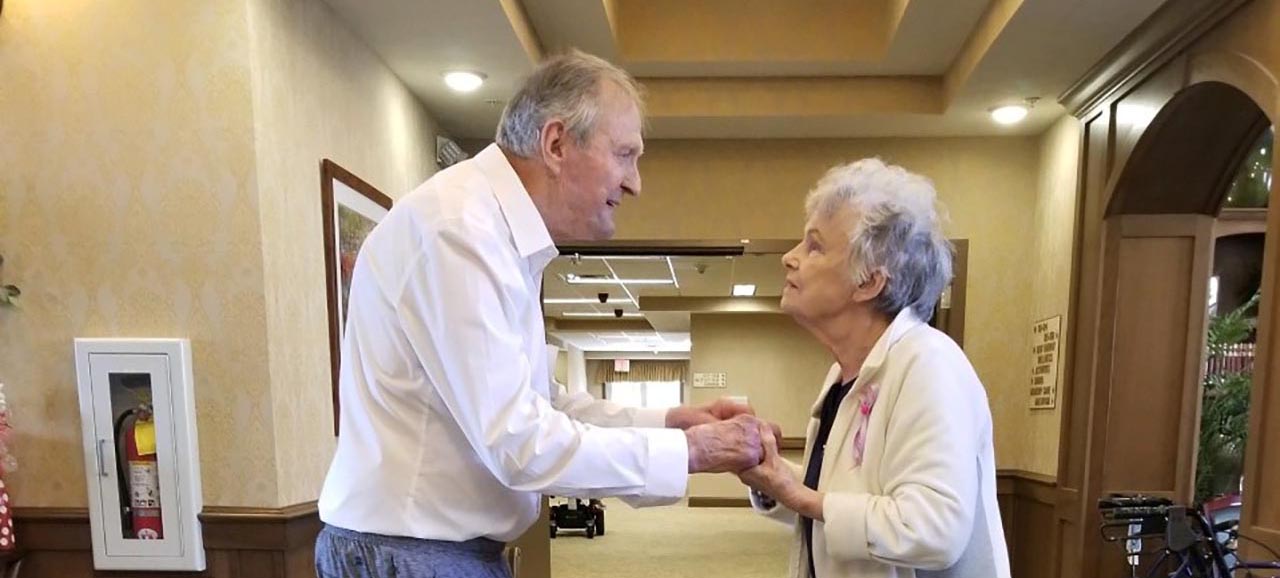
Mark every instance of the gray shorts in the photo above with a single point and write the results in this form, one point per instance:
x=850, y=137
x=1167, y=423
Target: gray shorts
x=346, y=554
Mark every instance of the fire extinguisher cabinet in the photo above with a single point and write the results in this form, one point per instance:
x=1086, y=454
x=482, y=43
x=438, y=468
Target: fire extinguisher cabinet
x=137, y=414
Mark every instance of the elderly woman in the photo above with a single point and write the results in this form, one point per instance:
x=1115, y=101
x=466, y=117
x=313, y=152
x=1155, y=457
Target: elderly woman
x=899, y=474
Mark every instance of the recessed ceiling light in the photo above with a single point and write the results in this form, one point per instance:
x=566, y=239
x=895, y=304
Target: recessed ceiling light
x=463, y=81
x=744, y=290
x=581, y=301
x=1009, y=114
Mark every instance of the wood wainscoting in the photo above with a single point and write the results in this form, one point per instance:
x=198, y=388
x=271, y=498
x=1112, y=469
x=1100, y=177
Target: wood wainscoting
x=239, y=543
x=1027, y=503
x=1027, y=506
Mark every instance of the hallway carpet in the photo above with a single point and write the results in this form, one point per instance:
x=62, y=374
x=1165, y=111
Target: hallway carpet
x=677, y=542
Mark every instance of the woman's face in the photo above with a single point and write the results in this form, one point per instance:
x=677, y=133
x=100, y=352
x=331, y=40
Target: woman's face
x=819, y=283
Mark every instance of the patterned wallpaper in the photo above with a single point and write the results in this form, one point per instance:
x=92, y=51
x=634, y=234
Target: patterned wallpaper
x=1034, y=434
x=128, y=207
x=318, y=92
x=161, y=178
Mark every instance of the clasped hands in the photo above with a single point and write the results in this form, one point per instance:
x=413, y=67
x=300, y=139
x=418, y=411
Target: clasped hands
x=726, y=436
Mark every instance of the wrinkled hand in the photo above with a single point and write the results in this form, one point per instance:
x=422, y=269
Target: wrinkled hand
x=685, y=417
x=772, y=477
x=731, y=445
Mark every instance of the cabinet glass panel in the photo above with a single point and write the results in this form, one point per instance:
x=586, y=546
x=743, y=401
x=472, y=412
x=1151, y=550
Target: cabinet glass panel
x=137, y=469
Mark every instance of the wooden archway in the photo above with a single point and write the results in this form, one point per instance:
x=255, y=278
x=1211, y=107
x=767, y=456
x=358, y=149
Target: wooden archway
x=1132, y=419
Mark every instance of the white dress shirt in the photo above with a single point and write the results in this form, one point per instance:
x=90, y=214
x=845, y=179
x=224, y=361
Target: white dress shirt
x=919, y=499
x=449, y=430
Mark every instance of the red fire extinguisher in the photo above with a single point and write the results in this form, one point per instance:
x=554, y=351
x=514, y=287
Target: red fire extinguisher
x=140, y=474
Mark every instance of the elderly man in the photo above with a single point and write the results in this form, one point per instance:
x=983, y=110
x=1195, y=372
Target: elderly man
x=449, y=427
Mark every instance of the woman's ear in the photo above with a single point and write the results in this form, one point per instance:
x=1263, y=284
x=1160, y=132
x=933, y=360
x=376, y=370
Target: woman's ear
x=871, y=286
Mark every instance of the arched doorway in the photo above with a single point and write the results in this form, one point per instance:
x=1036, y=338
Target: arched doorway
x=1132, y=424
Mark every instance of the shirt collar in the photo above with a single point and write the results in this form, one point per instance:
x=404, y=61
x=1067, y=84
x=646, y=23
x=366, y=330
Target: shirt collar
x=904, y=322
x=527, y=227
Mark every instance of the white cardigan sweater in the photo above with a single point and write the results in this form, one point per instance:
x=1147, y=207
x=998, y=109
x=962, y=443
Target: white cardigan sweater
x=922, y=503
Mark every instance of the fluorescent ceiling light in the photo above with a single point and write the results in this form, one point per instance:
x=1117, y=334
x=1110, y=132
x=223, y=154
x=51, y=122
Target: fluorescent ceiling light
x=1009, y=114
x=463, y=81
x=576, y=280
x=597, y=314
x=582, y=301
x=744, y=290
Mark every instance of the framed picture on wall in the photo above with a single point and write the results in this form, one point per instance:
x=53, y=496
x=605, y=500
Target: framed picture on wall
x=350, y=208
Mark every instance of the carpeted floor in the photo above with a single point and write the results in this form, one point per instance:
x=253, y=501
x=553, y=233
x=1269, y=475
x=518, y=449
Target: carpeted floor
x=676, y=542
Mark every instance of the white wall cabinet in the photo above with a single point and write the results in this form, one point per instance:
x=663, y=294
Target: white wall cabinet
x=141, y=454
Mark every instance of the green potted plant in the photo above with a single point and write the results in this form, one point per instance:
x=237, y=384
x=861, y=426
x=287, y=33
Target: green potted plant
x=1224, y=409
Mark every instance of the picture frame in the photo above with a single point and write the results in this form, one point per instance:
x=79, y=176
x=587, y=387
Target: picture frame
x=350, y=208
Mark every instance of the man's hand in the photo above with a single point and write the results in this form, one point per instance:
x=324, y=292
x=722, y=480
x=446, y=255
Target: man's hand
x=685, y=417
x=725, y=446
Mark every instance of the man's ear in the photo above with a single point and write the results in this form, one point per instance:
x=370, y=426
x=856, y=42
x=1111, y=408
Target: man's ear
x=553, y=139
x=871, y=287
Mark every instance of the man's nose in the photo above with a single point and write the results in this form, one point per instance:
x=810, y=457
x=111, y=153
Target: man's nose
x=631, y=185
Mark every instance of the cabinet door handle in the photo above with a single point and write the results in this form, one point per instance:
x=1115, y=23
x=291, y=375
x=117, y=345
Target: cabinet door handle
x=102, y=460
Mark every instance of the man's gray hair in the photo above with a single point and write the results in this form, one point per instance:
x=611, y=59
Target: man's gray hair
x=564, y=87
x=899, y=231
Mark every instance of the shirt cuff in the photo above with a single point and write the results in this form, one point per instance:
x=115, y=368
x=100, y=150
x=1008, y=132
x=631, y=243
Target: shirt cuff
x=668, y=475
x=654, y=418
x=845, y=525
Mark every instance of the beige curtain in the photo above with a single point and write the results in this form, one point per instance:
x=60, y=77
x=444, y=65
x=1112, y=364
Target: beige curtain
x=601, y=371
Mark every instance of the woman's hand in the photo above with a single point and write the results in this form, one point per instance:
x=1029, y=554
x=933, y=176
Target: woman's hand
x=774, y=479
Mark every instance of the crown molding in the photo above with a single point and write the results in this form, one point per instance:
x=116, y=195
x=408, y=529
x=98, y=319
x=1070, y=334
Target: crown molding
x=1169, y=31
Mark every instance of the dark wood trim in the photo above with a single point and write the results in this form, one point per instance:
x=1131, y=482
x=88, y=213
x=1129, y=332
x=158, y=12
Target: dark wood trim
x=1037, y=488
x=602, y=325
x=680, y=247
x=709, y=502
x=712, y=305
x=239, y=542
x=236, y=514
x=330, y=172
x=1161, y=37
x=687, y=248
x=1029, y=477
x=959, y=290
x=791, y=443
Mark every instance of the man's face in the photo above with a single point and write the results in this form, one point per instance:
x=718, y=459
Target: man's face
x=598, y=172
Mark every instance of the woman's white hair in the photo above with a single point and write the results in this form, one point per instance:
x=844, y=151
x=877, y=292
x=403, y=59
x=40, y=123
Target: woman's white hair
x=899, y=231
x=564, y=87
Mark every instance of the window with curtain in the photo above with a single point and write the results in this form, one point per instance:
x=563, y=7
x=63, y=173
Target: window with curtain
x=648, y=384
x=644, y=394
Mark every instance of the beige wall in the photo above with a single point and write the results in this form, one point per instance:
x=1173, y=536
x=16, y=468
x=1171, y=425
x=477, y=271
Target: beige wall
x=728, y=189
x=769, y=359
x=161, y=178
x=129, y=207
x=1033, y=435
x=318, y=92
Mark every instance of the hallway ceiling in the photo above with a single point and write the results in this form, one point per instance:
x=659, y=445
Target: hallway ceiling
x=579, y=318
x=763, y=68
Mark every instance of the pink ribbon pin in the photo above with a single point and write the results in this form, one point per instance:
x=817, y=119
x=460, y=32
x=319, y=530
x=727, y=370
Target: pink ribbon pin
x=866, y=402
